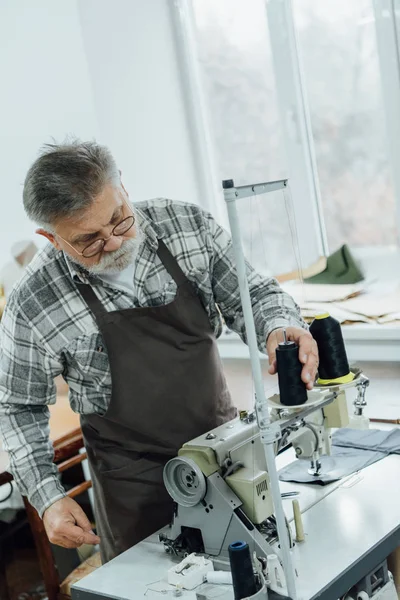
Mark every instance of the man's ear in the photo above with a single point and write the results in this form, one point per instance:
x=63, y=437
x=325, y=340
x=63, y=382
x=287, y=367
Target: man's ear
x=49, y=236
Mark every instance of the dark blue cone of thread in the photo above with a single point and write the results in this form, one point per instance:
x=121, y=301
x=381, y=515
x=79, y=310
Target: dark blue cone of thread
x=292, y=389
x=243, y=578
x=333, y=361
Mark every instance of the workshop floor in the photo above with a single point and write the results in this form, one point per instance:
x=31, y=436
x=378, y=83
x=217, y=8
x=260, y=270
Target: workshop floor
x=24, y=579
x=20, y=577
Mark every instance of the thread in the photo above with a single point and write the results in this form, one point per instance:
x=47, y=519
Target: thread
x=292, y=389
x=276, y=575
x=243, y=578
x=221, y=577
x=333, y=363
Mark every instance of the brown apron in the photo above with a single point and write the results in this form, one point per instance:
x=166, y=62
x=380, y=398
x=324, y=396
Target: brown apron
x=168, y=387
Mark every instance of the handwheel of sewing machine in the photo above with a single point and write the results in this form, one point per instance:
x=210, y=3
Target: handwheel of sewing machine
x=184, y=481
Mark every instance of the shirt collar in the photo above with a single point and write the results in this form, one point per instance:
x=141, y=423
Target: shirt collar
x=151, y=230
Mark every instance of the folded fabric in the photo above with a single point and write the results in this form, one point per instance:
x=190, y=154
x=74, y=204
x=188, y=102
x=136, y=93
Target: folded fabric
x=342, y=462
x=341, y=268
x=352, y=450
x=368, y=439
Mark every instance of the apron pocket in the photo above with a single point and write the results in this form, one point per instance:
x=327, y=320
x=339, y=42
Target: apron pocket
x=118, y=465
x=134, y=503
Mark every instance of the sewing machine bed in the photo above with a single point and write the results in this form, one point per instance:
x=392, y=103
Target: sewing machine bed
x=350, y=526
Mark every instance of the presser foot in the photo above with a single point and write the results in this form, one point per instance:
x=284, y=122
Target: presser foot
x=315, y=468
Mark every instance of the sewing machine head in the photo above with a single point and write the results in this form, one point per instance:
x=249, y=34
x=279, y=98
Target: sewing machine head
x=220, y=484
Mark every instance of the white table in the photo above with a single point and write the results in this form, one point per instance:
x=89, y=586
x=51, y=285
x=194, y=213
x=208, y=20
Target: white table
x=350, y=526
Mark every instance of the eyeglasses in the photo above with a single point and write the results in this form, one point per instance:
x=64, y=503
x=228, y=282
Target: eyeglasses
x=98, y=246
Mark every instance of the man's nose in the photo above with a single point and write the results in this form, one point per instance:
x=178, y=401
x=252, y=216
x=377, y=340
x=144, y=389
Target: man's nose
x=113, y=243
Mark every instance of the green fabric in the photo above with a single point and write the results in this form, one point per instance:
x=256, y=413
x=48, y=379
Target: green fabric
x=341, y=268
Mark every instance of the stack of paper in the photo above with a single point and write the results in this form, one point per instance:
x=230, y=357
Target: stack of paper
x=360, y=303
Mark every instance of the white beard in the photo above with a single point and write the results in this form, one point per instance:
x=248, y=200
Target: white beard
x=118, y=260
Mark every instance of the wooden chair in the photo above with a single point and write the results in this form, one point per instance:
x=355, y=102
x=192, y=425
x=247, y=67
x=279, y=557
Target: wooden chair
x=66, y=456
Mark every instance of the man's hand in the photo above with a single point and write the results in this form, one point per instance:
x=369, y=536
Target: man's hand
x=67, y=525
x=308, y=351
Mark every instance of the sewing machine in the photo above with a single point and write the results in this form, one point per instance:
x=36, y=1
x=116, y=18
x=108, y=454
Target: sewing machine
x=220, y=482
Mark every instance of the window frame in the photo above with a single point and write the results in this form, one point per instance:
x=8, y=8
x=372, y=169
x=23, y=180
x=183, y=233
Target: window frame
x=294, y=114
x=297, y=138
x=183, y=23
x=387, y=27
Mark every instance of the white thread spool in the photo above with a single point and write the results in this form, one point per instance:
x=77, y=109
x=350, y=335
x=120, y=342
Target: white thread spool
x=219, y=577
x=276, y=574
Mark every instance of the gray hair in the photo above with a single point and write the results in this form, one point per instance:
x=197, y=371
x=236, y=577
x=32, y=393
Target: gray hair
x=65, y=179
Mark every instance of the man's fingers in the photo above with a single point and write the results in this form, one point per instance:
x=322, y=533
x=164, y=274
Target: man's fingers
x=271, y=355
x=272, y=343
x=72, y=536
x=81, y=519
x=307, y=346
x=308, y=352
x=308, y=355
x=79, y=536
x=66, y=543
x=76, y=535
x=312, y=364
x=273, y=368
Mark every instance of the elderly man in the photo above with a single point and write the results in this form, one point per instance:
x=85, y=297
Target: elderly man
x=124, y=303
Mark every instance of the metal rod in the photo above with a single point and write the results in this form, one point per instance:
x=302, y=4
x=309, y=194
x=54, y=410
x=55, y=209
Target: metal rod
x=245, y=191
x=264, y=423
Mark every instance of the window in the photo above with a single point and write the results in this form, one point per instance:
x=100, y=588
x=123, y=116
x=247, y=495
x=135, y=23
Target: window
x=236, y=63
x=269, y=234
x=337, y=40
x=235, y=55
x=299, y=95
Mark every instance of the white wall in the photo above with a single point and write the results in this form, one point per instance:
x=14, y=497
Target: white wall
x=137, y=90
x=98, y=69
x=45, y=92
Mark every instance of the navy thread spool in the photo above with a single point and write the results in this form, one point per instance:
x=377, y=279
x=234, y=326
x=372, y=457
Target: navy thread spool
x=292, y=389
x=243, y=578
x=333, y=363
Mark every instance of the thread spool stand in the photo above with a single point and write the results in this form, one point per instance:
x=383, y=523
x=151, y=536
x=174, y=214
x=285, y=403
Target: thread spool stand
x=270, y=432
x=358, y=419
x=334, y=370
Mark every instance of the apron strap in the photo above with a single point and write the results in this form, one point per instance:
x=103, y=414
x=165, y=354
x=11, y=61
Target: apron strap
x=91, y=299
x=171, y=264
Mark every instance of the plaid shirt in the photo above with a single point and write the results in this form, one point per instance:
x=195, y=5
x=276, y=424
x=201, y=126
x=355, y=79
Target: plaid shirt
x=48, y=330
